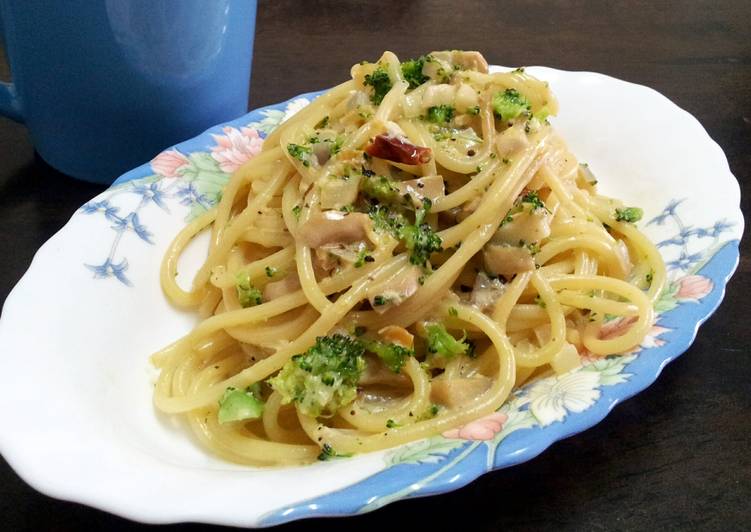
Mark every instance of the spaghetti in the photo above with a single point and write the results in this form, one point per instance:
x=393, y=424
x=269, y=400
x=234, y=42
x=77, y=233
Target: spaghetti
x=403, y=253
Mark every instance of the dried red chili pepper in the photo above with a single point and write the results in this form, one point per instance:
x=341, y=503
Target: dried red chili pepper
x=398, y=150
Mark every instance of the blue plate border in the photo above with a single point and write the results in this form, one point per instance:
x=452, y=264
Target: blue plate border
x=520, y=446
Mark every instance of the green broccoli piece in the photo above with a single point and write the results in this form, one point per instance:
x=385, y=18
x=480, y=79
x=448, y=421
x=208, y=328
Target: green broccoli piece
x=629, y=214
x=393, y=355
x=247, y=294
x=237, y=405
x=412, y=72
x=382, y=188
x=533, y=197
x=441, y=114
x=301, y=153
x=381, y=83
x=440, y=342
x=328, y=452
x=509, y=104
x=324, y=378
x=420, y=239
x=530, y=198
x=388, y=220
x=532, y=247
x=430, y=413
x=336, y=145
x=381, y=300
x=363, y=256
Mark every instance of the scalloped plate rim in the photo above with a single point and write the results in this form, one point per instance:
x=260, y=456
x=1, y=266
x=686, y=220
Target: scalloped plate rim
x=39, y=483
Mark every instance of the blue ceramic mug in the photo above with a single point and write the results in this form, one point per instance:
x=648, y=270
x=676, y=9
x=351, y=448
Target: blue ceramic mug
x=103, y=85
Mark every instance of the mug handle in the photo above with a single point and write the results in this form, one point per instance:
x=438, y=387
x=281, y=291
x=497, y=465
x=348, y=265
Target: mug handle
x=10, y=104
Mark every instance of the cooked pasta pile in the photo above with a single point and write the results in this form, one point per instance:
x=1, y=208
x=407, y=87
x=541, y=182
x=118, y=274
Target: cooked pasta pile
x=403, y=253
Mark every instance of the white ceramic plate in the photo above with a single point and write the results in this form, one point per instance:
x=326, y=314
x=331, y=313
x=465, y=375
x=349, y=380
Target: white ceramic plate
x=77, y=330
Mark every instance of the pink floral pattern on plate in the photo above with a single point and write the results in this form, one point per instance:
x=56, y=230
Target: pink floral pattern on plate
x=481, y=429
x=168, y=163
x=236, y=147
x=693, y=287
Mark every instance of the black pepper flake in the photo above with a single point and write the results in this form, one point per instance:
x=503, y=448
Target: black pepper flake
x=420, y=184
x=470, y=152
x=351, y=412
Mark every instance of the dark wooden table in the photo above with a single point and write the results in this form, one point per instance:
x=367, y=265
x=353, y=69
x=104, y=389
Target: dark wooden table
x=678, y=455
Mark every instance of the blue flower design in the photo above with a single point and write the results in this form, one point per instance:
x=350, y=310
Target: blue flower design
x=189, y=195
x=140, y=229
x=151, y=192
x=110, y=211
x=667, y=212
x=720, y=227
x=685, y=261
x=110, y=269
x=675, y=241
x=682, y=238
x=131, y=222
x=702, y=232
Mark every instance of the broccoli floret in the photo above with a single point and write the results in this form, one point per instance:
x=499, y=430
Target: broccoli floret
x=530, y=198
x=382, y=188
x=509, y=104
x=336, y=145
x=328, y=452
x=533, y=197
x=236, y=405
x=381, y=83
x=440, y=342
x=440, y=114
x=247, y=294
x=301, y=153
x=420, y=239
x=385, y=219
x=381, y=300
x=532, y=247
x=324, y=378
x=363, y=256
x=393, y=355
x=629, y=214
x=430, y=413
x=412, y=72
